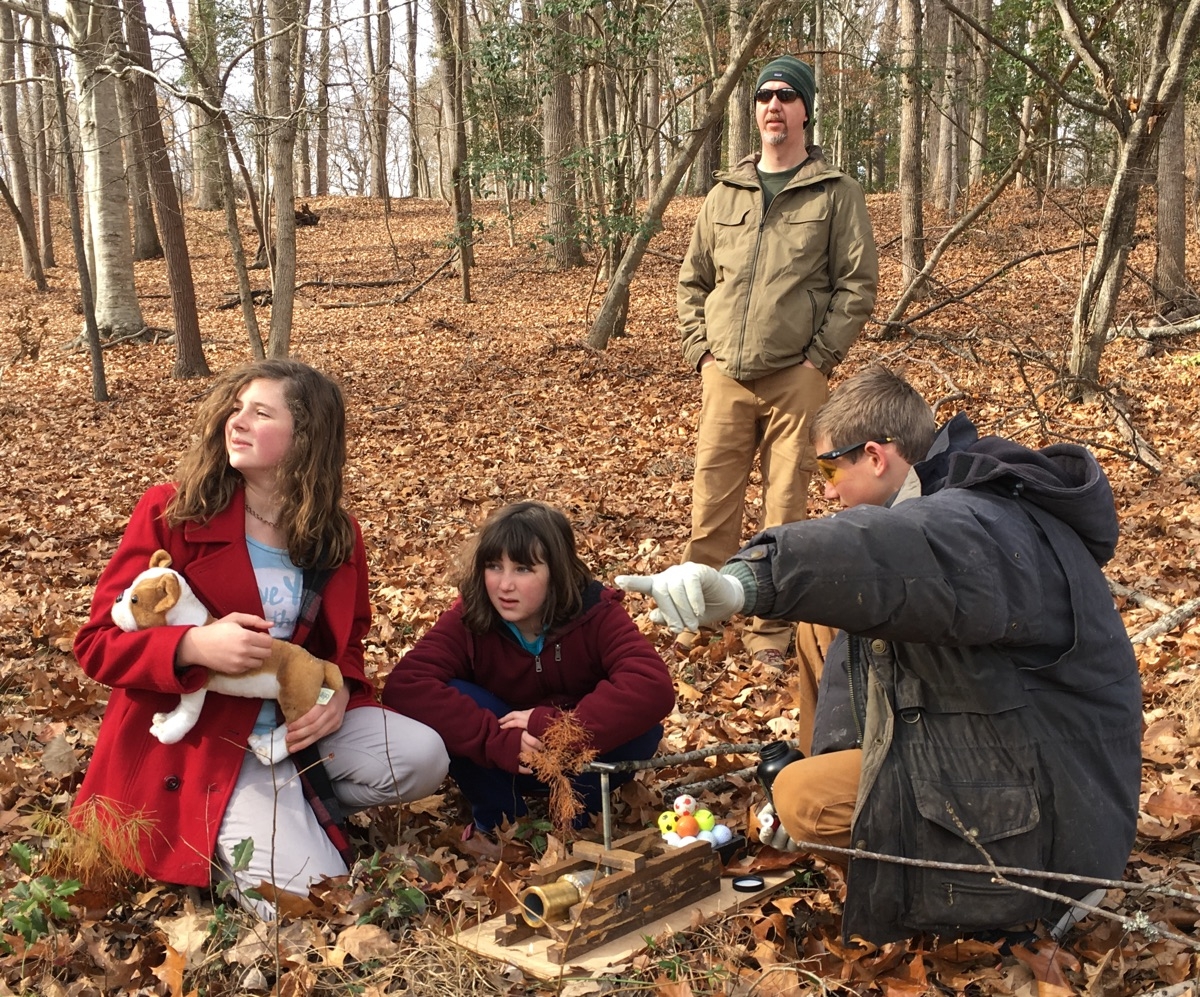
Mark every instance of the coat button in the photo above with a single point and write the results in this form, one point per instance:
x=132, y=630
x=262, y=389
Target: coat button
x=171, y=783
x=878, y=646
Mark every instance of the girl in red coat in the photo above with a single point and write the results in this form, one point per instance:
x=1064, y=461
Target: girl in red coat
x=532, y=635
x=256, y=526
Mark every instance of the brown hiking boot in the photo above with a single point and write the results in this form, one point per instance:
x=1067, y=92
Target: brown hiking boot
x=771, y=657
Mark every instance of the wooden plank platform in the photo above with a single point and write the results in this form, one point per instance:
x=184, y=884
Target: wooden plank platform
x=530, y=954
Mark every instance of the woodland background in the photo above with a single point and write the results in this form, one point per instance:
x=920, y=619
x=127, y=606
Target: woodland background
x=455, y=409
x=499, y=224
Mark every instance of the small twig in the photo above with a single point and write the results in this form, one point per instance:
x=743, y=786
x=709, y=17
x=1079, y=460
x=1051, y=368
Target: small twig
x=413, y=290
x=716, y=782
x=1125, y=426
x=1064, y=877
x=351, y=284
x=667, y=761
x=1157, y=331
x=1140, y=922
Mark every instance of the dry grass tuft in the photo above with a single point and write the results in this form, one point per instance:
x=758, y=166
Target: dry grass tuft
x=99, y=843
x=564, y=753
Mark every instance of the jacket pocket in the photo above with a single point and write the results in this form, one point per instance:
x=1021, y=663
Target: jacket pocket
x=732, y=234
x=957, y=820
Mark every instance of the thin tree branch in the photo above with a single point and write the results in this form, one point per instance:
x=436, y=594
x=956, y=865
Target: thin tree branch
x=1173, y=619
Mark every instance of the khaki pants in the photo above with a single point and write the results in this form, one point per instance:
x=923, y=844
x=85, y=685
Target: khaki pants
x=771, y=416
x=815, y=797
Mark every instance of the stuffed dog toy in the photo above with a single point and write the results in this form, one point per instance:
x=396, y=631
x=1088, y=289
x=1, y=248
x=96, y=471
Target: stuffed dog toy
x=160, y=596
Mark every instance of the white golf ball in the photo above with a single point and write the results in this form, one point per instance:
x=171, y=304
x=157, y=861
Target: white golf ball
x=721, y=834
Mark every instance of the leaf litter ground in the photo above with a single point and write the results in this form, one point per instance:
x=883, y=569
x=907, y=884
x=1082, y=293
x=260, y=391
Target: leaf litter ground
x=456, y=409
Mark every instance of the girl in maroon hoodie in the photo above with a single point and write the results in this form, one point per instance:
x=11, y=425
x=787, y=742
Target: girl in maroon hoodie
x=532, y=634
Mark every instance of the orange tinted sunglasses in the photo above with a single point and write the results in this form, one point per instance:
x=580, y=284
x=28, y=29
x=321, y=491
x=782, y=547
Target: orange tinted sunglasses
x=829, y=470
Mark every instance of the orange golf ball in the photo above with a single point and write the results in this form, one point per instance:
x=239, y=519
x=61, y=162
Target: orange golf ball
x=687, y=826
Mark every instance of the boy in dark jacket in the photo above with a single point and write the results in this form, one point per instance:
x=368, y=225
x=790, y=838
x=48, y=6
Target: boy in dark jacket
x=983, y=697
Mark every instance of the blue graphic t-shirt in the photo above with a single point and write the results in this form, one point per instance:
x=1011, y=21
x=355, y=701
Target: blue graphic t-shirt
x=280, y=585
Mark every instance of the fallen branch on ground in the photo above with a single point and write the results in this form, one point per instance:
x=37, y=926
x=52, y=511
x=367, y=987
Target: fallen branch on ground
x=1166, y=624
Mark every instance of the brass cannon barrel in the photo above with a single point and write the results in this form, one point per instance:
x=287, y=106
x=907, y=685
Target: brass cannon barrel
x=551, y=901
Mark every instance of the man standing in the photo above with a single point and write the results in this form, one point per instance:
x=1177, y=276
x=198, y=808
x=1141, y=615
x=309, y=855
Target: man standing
x=777, y=283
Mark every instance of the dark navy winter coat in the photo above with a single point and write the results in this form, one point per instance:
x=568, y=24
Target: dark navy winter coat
x=985, y=672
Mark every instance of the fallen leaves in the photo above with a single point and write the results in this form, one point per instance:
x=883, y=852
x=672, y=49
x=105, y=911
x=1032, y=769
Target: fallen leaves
x=457, y=409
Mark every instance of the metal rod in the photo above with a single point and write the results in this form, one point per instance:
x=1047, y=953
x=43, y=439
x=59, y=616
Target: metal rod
x=605, y=769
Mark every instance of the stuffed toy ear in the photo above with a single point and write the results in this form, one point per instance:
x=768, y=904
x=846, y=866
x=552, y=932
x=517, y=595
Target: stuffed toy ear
x=170, y=588
x=160, y=559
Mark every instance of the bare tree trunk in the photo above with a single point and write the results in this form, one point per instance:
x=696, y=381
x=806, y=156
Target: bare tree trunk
x=323, y=101
x=838, y=152
x=653, y=101
x=1171, y=285
x=146, y=244
x=43, y=178
x=981, y=70
x=558, y=123
x=25, y=234
x=887, y=55
x=285, y=20
x=189, y=354
x=21, y=191
x=202, y=44
x=262, y=133
x=415, y=158
x=817, y=127
x=738, y=119
x=937, y=42
x=99, y=387
x=449, y=17
x=301, y=149
x=912, y=224
x=381, y=103
x=93, y=28
x=1164, y=80
x=237, y=249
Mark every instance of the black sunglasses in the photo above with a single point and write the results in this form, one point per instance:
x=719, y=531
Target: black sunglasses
x=785, y=94
x=842, y=451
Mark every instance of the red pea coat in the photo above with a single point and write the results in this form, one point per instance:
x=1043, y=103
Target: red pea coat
x=182, y=789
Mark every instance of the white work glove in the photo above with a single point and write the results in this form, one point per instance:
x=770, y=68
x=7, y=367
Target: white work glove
x=771, y=832
x=688, y=595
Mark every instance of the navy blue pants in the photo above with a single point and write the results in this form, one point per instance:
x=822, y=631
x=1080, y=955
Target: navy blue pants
x=495, y=794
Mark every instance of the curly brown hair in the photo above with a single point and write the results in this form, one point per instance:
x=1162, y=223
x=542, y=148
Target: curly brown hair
x=319, y=532
x=527, y=533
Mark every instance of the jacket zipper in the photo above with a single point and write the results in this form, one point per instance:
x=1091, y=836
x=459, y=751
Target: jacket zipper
x=854, y=667
x=762, y=221
x=537, y=658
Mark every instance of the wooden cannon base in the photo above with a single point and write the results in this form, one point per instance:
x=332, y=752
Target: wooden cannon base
x=646, y=880
x=531, y=955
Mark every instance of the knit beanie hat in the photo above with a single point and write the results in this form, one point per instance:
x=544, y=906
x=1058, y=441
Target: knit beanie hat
x=791, y=70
